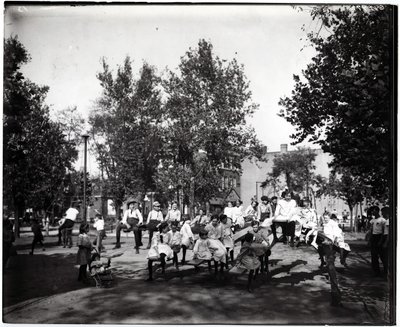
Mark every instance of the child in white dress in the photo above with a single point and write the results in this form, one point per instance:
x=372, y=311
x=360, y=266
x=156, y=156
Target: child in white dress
x=159, y=249
x=215, y=234
x=227, y=237
x=187, y=236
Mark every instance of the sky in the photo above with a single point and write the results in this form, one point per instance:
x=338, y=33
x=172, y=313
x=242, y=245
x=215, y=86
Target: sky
x=66, y=44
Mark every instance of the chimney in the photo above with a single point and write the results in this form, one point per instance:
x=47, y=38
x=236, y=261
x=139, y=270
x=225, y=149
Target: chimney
x=283, y=147
x=264, y=150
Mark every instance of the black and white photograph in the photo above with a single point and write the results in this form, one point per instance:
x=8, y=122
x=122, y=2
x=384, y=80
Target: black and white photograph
x=199, y=163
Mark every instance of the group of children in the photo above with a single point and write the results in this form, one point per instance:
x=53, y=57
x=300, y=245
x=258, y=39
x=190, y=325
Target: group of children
x=213, y=243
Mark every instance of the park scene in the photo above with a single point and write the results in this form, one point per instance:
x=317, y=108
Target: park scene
x=199, y=164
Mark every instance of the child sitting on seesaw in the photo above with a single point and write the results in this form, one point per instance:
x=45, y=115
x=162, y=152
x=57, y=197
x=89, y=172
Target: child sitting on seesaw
x=159, y=249
x=209, y=249
x=260, y=236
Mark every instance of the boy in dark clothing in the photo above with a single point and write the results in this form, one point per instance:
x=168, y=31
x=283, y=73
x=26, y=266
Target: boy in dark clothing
x=37, y=235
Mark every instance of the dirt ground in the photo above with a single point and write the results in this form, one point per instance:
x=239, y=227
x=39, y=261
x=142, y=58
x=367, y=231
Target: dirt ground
x=43, y=288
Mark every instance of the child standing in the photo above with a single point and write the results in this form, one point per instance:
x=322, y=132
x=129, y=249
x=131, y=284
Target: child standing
x=227, y=237
x=37, y=235
x=187, y=236
x=101, y=233
x=159, y=249
x=83, y=255
x=174, y=241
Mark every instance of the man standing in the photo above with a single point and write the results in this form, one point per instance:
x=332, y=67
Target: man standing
x=69, y=220
x=377, y=231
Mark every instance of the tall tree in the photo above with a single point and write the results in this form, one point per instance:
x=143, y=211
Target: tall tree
x=72, y=124
x=36, y=154
x=127, y=130
x=297, y=168
x=208, y=101
x=344, y=100
x=343, y=185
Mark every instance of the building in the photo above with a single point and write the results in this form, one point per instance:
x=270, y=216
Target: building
x=254, y=173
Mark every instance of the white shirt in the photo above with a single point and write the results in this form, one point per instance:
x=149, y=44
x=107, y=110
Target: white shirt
x=229, y=212
x=99, y=224
x=237, y=213
x=386, y=230
x=173, y=215
x=378, y=225
x=285, y=208
x=134, y=213
x=155, y=215
x=332, y=230
x=71, y=214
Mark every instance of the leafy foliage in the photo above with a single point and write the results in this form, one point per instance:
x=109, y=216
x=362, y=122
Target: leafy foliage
x=36, y=154
x=127, y=129
x=343, y=101
x=208, y=100
x=297, y=168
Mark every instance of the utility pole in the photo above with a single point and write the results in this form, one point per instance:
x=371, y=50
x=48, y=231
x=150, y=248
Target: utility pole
x=85, y=137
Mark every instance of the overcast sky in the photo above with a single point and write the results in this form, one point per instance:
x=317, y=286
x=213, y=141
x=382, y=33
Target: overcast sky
x=66, y=45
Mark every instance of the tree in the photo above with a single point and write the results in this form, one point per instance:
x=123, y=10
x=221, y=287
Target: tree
x=208, y=101
x=126, y=127
x=344, y=101
x=72, y=124
x=297, y=168
x=36, y=154
x=341, y=184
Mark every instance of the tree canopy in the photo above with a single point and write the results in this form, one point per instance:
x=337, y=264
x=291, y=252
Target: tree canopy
x=36, y=153
x=296, y=166
x=344, y=101
x=127, y=129
x=207, y=103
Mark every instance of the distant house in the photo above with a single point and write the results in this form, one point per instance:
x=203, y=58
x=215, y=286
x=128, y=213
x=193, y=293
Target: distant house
x=255, y=172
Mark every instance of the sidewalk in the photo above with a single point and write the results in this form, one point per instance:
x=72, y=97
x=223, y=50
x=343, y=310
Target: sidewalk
x=43, y=289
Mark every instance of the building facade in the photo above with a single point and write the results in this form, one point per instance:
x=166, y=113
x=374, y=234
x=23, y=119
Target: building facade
x=255, y=172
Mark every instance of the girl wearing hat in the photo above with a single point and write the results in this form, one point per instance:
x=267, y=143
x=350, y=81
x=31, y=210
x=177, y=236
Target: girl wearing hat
x=154, y=218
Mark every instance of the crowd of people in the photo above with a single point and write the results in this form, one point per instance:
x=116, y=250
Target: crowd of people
x=211, y=237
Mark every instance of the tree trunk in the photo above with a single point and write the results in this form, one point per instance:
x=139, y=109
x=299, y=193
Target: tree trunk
x=351, y=217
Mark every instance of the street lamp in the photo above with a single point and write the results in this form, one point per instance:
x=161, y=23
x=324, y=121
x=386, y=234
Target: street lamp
x=85, y=138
